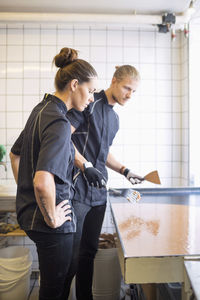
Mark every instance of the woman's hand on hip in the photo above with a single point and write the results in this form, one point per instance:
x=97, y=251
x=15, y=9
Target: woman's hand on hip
x=62, y=214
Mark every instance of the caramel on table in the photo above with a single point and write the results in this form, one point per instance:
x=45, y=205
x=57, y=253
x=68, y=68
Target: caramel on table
x=157, y=229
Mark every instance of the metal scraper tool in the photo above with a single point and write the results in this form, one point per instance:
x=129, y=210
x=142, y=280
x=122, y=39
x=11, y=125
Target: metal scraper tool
x=131, y=195
x=153, y=177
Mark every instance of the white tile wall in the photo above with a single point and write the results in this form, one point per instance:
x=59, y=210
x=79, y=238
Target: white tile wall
x=184, y=93
x=194, y=47
x=150, y=136
x=153, y=117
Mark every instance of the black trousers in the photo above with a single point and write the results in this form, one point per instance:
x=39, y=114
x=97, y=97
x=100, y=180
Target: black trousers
x=85, y=246
x=54, y=256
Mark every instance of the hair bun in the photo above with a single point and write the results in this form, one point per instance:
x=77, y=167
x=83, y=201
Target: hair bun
x=65, y=57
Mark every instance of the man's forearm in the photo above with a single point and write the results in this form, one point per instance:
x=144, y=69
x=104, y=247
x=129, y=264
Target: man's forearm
x=15, y=160
x=113, y=164
x=79, y=160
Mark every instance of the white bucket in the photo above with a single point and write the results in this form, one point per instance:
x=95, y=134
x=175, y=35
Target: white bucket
x=107, y=275
x=15, y=269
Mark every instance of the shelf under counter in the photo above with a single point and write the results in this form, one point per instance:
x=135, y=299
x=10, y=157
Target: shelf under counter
x=8, y=197
x=7, y=204
x=17, y=232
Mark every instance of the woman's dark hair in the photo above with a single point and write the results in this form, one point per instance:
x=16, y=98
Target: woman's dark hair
x=70, y=67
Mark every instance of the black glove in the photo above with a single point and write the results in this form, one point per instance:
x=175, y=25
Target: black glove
x=94, y=176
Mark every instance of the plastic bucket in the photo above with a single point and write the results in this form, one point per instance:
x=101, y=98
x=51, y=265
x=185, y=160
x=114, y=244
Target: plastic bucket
x=107, y=275
x=15, y=270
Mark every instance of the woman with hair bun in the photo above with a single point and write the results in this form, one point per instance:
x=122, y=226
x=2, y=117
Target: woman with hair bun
x=42, y=161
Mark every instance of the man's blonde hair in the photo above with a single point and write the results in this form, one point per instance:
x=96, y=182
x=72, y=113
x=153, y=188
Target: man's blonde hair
x=126, y=71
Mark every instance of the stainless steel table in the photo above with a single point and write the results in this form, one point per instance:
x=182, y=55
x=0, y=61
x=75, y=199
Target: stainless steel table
x=155, y=235
x=193, y=274
x=7, y=197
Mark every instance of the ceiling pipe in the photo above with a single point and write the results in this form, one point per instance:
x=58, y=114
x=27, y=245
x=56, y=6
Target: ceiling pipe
x=185, y=17
x=100, y=19
x=79, y=18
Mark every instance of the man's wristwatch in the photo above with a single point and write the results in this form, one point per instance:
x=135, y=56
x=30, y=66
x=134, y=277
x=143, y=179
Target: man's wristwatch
x=87, y=164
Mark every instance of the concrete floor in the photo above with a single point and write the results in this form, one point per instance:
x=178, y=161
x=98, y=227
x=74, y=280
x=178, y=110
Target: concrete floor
x=35, y=293
x=34, y=286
